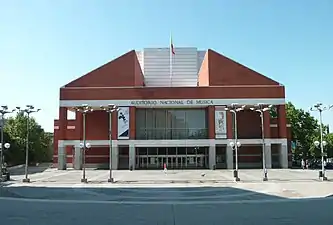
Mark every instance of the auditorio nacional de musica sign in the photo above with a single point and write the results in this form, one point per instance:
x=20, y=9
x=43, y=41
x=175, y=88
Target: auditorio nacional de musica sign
x=171, y=102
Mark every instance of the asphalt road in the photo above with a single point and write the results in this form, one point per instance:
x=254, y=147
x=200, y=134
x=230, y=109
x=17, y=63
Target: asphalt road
x=156, y=206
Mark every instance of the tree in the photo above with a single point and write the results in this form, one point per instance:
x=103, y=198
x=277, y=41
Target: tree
x=329, y=147
x=304, y=131
x=39, y=141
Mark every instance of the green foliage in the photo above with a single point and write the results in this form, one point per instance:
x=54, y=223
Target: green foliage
x=16, y=134
x=273, y=112
x=329, y=148
x=305, y=130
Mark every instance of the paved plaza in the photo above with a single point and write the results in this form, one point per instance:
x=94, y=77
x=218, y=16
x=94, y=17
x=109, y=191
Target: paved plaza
x=177, y=197
x=288, y=183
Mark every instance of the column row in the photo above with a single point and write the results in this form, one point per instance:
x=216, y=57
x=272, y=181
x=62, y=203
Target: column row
x=229, y=157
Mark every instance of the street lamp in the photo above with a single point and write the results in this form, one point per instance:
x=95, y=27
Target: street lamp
x=235, y=146
x=6, y=147
x=84, y=109
x=110, y=108
x=261, y=108
x=84, y=147
x=234, y=108
x=3, y=111
x=28, y=110
x=320, y=108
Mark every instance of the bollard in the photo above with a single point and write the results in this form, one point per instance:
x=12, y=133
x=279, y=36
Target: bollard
x=236, y=175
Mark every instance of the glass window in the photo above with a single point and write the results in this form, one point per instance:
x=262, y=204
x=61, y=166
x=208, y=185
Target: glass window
x=162, y=124
x=181, y=150
x=172, y=151
x=162, y=151
x=191, y=150
x=142, y=151
x=152, y=151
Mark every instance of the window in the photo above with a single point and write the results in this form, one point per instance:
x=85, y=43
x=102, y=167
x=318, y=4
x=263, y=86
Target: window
x=162, y=124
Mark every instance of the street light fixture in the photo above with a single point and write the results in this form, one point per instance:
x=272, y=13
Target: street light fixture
x=3, y=111
x=84, y=147
x=261, y=108
x=235, y=146
x=320, y=108
x=84, y=109
x=110, y=108
x=6, y=147
x=29, y=109
x=234, y=108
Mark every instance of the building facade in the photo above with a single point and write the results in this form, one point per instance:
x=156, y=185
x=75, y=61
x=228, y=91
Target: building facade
x=172, y=111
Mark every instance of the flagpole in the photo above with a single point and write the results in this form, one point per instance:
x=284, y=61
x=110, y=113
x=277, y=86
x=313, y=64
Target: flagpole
x=171, y=61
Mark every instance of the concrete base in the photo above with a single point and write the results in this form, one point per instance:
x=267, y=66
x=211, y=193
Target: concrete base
x=110, y=180
x=265, y=179
x=84, y=180
x=26, y=180
x=324, y=178
x=237, y=179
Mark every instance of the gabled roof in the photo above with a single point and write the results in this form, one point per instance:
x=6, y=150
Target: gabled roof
x=123, y=71
x=218, y=70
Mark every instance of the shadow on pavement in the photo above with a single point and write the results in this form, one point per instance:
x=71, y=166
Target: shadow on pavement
x=32, y=169
x=163, y=195
x=152, y=206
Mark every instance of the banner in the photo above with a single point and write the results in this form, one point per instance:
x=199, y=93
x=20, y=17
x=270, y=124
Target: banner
x=123, y=123
x=220, y=124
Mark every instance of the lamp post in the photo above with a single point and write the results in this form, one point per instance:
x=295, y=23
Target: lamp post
x=322, y=145
x=84, y=109
x=3, y=111
x=234, y=108
x=84, y=147
x=29, y=109
x=5, y=147
x=261, y=108
x=110, y=109
x=320, y=108
x=235, y=146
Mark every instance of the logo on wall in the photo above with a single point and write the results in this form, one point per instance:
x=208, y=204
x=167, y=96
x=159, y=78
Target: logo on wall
x=123, y=123
x=220, y=124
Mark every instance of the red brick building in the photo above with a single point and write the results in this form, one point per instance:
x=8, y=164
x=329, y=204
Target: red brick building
x=172, y=110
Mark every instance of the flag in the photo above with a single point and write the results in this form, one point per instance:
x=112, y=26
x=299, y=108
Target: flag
x=172, y=53
x=171, y=47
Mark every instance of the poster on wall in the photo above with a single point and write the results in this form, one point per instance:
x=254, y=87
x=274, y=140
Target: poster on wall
x=123, y=123
x=220, y=124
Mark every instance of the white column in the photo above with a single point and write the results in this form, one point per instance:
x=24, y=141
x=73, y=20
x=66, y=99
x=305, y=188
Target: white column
x=115, y=157
x=230, y=158
x=131, y=157
x=62, y=157
x=77, y=158
x=283, y=154
x=268, y=155
x=212, y=157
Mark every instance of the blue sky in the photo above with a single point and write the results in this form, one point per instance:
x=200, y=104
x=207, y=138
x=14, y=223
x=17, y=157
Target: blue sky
x=45, y=44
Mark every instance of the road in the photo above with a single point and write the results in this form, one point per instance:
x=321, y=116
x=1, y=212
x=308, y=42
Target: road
x=152, y=206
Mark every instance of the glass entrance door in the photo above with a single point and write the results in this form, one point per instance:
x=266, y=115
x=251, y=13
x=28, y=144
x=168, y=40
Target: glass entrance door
x=173, y=157
x=200, y=161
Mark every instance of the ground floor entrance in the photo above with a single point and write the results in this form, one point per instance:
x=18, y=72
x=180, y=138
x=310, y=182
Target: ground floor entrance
x=172, y=157
x=175, y=155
